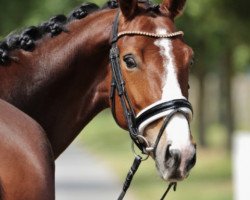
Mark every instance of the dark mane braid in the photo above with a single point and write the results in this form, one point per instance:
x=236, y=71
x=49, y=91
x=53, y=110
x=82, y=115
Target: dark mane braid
x=26, y=38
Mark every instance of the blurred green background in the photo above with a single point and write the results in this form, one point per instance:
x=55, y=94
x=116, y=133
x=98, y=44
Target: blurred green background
x=218, y=31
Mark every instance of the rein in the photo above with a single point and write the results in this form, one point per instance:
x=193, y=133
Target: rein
x=137, y=123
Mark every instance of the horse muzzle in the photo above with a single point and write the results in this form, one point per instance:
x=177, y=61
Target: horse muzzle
x=177, y=164
x=175, y=155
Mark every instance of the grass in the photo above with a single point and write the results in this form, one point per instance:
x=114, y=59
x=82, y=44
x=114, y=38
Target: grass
x=209, y=180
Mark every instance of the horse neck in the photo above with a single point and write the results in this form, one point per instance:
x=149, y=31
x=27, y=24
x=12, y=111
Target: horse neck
x=69, y=86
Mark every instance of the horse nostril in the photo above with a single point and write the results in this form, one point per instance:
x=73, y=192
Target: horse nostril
x=191, y=163
x=176, y=155
x=167, y=155
x=172, y=157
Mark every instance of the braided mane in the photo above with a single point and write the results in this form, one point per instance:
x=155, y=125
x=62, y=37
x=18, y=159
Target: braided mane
x=26, y=39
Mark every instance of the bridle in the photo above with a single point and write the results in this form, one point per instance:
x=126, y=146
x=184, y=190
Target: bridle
x=160, y=109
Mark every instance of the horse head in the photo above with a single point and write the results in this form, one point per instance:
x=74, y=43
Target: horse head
x=153, y=68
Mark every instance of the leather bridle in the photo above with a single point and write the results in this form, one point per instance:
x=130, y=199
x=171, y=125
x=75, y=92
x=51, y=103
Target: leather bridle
x=137, y=123
x=157, y=110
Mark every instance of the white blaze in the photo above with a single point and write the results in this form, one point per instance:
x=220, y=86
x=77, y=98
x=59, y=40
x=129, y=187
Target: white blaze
x=178, y=129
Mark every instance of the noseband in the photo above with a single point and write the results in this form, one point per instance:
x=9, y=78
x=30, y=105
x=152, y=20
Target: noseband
x=137, y=123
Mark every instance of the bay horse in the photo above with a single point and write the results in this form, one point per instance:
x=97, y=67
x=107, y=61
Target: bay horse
x=27, y=162
x=59, y=74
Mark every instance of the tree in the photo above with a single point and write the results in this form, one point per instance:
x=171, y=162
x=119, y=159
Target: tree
x=17, y=14
x=13, y=14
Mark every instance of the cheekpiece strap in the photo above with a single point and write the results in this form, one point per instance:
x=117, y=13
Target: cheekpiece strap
x=115, y=29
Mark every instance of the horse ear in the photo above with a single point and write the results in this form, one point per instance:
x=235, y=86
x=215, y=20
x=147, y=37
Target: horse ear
x=128, y=7
x=173, y=7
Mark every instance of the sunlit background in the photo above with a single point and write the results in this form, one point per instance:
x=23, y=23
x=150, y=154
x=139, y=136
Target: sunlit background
x=218, y=31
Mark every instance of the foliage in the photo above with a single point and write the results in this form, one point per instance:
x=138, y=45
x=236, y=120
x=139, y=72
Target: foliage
x=16, y=14
x=210, y=26
x=13, y=14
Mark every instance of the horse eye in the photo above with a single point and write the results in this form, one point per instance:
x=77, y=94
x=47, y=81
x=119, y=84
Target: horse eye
x=191, y=62
x=130, y=61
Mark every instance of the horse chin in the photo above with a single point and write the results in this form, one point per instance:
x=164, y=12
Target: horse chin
x=170, y=170
x=168, y=174
x=175, y=154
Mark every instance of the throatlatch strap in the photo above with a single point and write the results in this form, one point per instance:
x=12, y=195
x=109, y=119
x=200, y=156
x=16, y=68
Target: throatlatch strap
x=118, y=85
